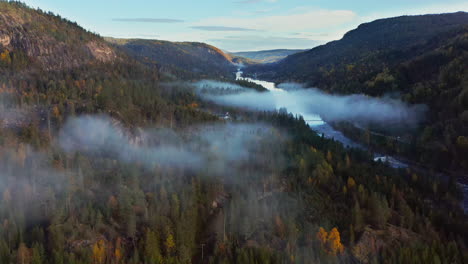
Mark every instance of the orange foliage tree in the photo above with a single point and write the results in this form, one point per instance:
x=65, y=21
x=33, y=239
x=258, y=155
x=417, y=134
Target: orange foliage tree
x=24, y=254
x=331, y=242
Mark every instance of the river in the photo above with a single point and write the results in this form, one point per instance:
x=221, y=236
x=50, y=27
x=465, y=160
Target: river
x=317, y=124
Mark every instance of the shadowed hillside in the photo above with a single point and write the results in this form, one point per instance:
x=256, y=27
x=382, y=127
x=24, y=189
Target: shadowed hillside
x=376, y=44
x=421, y=59
x=186, y=60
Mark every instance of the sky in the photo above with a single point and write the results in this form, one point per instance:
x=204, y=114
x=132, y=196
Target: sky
x=237, y=25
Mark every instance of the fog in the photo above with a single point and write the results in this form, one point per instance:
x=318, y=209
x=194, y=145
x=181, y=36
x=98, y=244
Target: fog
x=297, y=100
x=99, y=136
x=219, y=147
x=211, y=85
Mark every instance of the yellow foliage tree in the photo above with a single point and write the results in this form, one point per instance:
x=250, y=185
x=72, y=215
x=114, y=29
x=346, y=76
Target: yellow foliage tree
x=322, y=235
x=5, y=57
x=118, y=250
x=334, y=242
x=331, y=242
x=99, y=252
x=170, y=244
x=351, y=183
x=55, y=112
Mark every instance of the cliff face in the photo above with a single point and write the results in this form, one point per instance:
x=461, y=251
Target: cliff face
x=48, y=40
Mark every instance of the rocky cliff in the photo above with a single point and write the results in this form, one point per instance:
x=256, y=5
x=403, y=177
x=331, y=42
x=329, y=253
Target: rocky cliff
x=49, y=40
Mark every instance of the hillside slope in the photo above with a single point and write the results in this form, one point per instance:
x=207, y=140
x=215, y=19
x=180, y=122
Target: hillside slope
x=53, y=68
x=47, y=40
x=422, y=59
x=183, y=59
x=374, y=44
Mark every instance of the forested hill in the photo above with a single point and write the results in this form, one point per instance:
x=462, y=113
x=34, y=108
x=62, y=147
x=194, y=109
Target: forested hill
x=374, y=44
x=423, y=59
x=186, y=60
x=52, y=68
x=29, y=36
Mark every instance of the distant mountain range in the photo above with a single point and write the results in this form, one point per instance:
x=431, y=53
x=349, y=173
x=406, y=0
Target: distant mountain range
x=266, y=56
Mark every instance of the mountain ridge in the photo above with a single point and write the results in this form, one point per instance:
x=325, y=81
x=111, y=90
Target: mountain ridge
x=267, y=56
x=369, y=39
x=188, y=60
x=48, y=40
x=419, y=59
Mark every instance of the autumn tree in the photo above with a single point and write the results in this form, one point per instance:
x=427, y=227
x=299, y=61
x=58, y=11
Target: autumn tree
x=5, y=58
x=118, y=250
x=169, y=243
x=23, y=255
x=331, y=242
x=99, y=252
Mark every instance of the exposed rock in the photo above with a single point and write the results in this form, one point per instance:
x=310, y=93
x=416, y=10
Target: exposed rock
x=49, y=42
x=5, y=40
x=101, y=51
x=372, y=241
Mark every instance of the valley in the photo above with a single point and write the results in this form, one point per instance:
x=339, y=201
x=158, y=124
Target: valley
x=133, y=150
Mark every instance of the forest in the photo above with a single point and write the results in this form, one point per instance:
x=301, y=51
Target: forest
x=110, y=162
x=415, y=65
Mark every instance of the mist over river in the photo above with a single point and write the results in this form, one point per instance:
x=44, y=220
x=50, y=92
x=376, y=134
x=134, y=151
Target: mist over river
x=313, y=120
x=317, y=124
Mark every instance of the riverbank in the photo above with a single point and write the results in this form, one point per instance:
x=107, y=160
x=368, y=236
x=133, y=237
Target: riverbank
x=317, y=124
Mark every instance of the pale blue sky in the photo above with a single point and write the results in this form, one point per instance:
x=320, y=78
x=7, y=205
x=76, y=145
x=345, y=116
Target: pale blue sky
x=237, y=25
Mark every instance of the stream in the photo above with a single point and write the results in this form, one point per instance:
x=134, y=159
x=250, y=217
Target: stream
x=317, y=124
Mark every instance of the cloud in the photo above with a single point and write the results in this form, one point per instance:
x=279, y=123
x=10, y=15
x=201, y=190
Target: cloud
x=216, y=85
x=309, y=20
x=148, y=20
x=357, y=107
x=220, y=147
x=221, y=28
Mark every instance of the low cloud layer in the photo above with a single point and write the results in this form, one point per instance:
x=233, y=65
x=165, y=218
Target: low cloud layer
x=359, y=108
x=211, y=86
x=221, y=148
x=100, y=136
